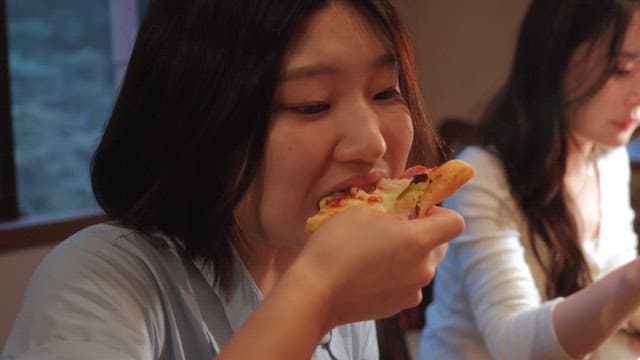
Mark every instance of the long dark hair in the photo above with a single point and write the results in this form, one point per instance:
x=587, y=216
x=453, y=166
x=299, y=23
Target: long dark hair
x=526, y=122
x=188, y=129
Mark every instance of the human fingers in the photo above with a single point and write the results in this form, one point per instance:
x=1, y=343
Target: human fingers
x=439, y=226
x=412, y=171
x=421, y=246
x=437, y=254
x=365, y=254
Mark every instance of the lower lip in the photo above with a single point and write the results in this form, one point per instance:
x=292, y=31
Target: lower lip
x=624, y=125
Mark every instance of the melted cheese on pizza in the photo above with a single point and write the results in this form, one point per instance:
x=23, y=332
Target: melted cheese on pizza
x=392, y=195
x=383, y=198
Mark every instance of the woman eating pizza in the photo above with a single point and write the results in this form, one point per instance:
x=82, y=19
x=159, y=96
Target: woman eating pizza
x=234, y=119
x=547, y=265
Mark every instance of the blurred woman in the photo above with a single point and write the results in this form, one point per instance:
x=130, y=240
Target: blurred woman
x=546, y=267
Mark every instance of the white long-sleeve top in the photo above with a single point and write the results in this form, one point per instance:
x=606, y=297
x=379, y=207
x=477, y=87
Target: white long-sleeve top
x=489, y=299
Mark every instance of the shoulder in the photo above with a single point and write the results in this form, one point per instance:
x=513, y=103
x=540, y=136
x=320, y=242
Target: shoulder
x=103, y=283
x=100, y=254
x=485, y=161
x=487, y=193
x=104, y=241
x=489, y=170
x=104, y=236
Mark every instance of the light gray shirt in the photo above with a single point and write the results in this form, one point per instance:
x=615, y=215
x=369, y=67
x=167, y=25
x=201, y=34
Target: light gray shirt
x=111, y=293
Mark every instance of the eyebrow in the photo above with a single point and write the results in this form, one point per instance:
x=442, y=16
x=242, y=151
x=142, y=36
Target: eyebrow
x=385, y=60
x=629, y=55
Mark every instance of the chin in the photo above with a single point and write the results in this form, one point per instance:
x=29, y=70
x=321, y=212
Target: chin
x=624, y=140
x=613, y=144
x=617, y=141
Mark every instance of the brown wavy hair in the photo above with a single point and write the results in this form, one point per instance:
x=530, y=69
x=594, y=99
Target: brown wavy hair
x=526, y=122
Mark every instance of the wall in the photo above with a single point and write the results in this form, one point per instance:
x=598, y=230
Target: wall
x=16, y=268
x=463, y=51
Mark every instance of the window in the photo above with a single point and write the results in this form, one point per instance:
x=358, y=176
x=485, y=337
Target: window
x=60, y=65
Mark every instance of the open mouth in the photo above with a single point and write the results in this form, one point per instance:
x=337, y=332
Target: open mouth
x=384, y=185
x=624, y=125
x=413, y=191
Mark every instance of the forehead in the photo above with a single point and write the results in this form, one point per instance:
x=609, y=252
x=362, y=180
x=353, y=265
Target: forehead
x=330, y=32
x=590, y=56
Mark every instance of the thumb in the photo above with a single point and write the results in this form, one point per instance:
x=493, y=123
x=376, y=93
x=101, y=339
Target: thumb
x=442, y=225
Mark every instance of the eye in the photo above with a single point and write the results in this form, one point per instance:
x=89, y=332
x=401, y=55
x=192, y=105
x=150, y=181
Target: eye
x=309, y=109
x=387, y=94
x=624, y=68
x=621, y=71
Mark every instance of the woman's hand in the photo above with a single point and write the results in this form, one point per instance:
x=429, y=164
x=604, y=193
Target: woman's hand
x=607, y=303
x=361, y=264
x=371, y=264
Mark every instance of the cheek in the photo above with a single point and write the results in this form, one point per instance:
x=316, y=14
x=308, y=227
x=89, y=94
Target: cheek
x=593, y=114
x=291, y=155
x=399, y=137
x=584, y=123
x=291, y=165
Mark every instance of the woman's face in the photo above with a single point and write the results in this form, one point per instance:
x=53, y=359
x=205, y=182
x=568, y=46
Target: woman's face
x=613, y=113
x=337, y=121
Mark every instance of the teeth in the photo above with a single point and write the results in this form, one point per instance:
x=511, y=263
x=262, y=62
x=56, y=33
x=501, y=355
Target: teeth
x=635, y=113
x=369, y=188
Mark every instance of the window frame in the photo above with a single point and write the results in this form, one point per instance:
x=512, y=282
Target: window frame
x=37, y=230
x=17, y=230
x=8, y=191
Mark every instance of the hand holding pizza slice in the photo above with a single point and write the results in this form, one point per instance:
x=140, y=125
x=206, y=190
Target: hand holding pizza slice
x=427, y=187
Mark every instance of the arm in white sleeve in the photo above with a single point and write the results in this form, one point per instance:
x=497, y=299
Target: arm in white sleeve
x=500, y=278
x=617, y=214
x=614, y=299
x=499, y=283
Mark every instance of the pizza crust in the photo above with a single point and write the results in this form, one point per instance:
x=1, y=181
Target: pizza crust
x=394, y=195
x=444, y=180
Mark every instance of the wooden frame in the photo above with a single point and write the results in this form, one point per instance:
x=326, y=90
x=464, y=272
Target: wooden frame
x=41, y=230
x=18, y=231
x=8, y=198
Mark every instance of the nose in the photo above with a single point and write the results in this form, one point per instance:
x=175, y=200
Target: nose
x=361, y=136
x=633, y=95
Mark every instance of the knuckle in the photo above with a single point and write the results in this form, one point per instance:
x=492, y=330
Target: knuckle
x=414, y=299
x=428, y=275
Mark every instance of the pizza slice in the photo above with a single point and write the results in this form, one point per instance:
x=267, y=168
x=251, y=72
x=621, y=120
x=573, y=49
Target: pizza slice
x=428, y=187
